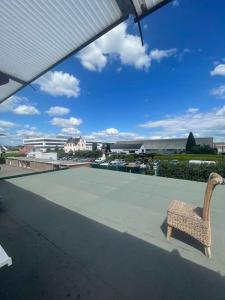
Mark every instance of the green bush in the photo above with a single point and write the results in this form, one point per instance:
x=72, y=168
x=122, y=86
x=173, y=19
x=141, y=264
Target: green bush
x=203, y=149
x=12, y=154
x=184, y=170
x=88, y=154
x=186, y=157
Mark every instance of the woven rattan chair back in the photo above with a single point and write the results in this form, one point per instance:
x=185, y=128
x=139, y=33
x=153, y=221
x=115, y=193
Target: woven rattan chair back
x=186, y=217
x=213, y=181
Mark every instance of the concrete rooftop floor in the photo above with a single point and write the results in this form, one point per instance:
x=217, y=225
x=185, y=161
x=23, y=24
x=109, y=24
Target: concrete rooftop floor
x=97, y=234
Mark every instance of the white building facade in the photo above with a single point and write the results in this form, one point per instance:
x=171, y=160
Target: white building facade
x=127, y=148
x=220, y=146
x=89, y=145
x=42, y=144
x=75, y=144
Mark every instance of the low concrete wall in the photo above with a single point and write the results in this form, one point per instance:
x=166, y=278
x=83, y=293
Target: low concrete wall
x=34, y=165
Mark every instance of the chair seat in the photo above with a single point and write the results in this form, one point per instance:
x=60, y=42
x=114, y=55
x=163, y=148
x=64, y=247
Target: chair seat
x=187, y=218
x=183, y=209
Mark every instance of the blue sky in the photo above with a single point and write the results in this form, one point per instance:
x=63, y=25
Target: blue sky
x=115, y=89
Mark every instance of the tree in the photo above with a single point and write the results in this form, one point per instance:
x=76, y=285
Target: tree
x=70, y=153
x=107, y=148
x=190, y=143
x=94, y=146
x=61, y=153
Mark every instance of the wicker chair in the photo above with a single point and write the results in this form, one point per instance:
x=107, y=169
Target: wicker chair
x=193, y=220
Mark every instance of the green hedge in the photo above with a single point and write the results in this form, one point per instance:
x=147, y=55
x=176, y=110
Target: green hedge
x=11, y=154
x=185, y=157
x=136, y=170
x=183, y=170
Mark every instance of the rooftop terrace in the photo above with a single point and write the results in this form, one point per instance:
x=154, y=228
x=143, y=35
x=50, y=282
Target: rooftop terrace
x=96, y=234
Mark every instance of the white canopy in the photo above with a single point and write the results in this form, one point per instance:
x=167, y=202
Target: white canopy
x=35, y=35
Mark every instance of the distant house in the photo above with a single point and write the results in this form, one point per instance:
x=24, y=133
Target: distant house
x=127, y=148
x=75, y=144
x=3, y=149
x=26, y=149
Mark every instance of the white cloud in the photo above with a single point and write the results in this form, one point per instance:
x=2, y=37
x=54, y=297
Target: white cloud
x=58, y=111
x=18, y=105
x=119, y=44
x=158, y=55
x=111, y=131
x=92, y=57
x=175, y=3
x=26, y=110
x=70, y=131
x=61, y=122
x=219, y=91
x=58, y=83
x=221, y=111
x=6, y=124
x=192, y=110
x=11, y=103
x=112, y=134
x=210, y=123
x=218, y=70
x=115, y=44
x=28, y=133
x=27, y=126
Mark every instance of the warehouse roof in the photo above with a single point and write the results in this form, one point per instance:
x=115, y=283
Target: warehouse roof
x=178, y=143
x=98, y=234
x=37, y=35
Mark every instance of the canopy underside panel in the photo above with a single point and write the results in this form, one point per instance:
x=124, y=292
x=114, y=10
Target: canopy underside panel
x=35, y=35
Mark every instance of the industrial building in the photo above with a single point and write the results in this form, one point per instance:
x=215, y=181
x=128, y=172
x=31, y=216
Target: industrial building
x=220, y=146
x=43, y=143
x=89, y=145
x=127, y=148
x=167, y=146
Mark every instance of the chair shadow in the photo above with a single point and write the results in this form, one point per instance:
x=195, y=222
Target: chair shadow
x=183, y=237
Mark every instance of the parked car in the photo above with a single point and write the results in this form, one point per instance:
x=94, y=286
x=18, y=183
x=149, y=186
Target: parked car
x=100, y=160
x=199, y=162
x=105, y=164
x=118, y=162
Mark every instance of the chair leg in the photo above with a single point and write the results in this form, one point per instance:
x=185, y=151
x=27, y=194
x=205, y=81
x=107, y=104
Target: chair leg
x=169, y=232
x=208, y=252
